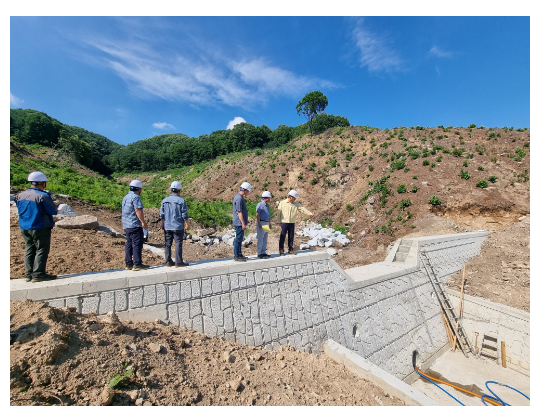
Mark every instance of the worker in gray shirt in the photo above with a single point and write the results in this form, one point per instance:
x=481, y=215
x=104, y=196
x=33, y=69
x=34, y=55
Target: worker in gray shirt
x=240, y=220
x=174, y=214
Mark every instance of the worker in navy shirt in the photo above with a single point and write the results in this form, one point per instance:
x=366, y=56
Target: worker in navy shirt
x=240, y=220
x=174, y=214
x=133, y=223
x=36, y=210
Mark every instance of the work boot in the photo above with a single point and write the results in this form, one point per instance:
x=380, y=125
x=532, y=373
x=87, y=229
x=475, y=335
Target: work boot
x=240, y=259
x=262, y=256
x=140, y=267
x=281, y=252
x=181, y=264
x=28, y=278
x=43, y=278
x=267, y=256
x=291, y=252
x=129, y=266
x=169, y=264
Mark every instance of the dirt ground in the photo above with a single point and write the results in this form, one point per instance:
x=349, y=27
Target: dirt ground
x=73, y=251
x=501, y=272
x=63, y=358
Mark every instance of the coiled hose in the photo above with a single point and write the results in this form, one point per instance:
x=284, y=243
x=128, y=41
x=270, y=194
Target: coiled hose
x=496, y=397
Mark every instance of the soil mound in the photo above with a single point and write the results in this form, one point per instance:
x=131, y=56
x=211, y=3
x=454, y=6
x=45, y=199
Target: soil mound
x=60, y=357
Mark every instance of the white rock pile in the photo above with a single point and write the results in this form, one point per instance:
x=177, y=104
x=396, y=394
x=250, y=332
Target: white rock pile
x=323, y=237
x=229, y=238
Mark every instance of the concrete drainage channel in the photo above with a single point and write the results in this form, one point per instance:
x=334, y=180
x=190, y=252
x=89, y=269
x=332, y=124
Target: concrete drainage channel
x=370, y=318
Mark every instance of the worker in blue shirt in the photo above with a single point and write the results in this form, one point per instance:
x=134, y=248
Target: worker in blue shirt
x=174, y=215
x=240, y=220
x=36, y=210
x=263, y=218
x=133, y=223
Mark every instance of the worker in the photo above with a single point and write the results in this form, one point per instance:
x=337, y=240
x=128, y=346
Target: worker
x=263, y=218
x=240, y=220
x=133, y=223
x=174, y=215
x=287, y=213
x=36, y=210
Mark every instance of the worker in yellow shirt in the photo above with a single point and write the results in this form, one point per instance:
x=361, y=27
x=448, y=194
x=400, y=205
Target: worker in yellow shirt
x=287, y=213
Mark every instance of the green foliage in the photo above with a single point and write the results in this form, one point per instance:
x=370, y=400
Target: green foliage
x=464, y=175
x=80, y=150
x=312, y=103
x=414, y=189
x=342, y=229
x=349, y=207
x=465, y=164
x=434, y=201
x=425, y=162
x=413, y=154
x=520, y=152
x=371, y=168
x=494, y=159
x=405, y=203
x=457, y=152
x=482, y=184
x=432, y=165
x=401, y=188
x=281, y=182
x=480, y=168
x=116, y=379
x=327, y=222
x=492, y=179
x=397, y=164
x=380, y=187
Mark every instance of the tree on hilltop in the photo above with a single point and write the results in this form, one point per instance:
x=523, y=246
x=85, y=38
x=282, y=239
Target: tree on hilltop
x=312, y=104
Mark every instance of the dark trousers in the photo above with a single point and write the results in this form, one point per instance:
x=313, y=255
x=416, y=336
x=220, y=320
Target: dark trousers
x=134, y=246
x=238, y=242
x=287, y=228
x=178, y=235
x=38, y=244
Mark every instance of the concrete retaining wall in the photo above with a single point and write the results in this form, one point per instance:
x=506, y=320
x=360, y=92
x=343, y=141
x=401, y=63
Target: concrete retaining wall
x=500, y=321
x=382, y=311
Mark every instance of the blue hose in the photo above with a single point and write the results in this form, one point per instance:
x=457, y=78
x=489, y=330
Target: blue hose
x=496, y=397
x=421, y=375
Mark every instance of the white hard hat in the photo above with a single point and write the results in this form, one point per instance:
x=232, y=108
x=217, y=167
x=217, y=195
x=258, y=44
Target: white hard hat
x=266, y=194
x=293, y=193
x=177, y=185
x=37, y=176
x=136, y=183
x=246, y=186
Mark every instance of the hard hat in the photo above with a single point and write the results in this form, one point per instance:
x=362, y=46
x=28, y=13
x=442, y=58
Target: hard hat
x=136, y=183
x=177, y=185
x=266, y=194
x=293, y=193
x=246, y=186
x=37, y=176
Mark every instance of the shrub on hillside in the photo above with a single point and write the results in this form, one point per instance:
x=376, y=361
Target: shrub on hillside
x=481, y=184
x=464, y=175
x=401, y=188
x=492, y=179
x=434, y=201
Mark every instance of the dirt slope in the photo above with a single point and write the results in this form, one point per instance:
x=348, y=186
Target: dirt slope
x=64, y=358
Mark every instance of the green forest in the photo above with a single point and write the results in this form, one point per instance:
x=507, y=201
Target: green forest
x=161, y=152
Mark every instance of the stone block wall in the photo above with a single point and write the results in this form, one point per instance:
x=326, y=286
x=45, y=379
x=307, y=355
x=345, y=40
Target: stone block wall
x=500, y=321
x=299, y=301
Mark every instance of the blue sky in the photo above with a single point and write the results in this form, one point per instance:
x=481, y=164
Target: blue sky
x=131, y=78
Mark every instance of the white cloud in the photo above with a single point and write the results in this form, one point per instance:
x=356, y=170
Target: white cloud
x=163, y=125
x=374, y=52
x=13, y=100
x=207, y=78
x=438, y=52
x=236, y=120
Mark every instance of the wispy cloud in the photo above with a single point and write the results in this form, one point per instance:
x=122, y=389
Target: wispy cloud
x=163, y=125
x=438, y=52
x=438, y=70
x=236, y=120
x=374, y=51
x=13, y=100
x=205, y=78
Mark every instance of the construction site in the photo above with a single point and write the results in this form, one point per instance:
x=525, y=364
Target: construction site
x=226, y=333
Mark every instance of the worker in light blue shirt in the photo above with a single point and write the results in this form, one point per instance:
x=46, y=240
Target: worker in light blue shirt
x=174, y=215
x=263, y=217
x=133, y=223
